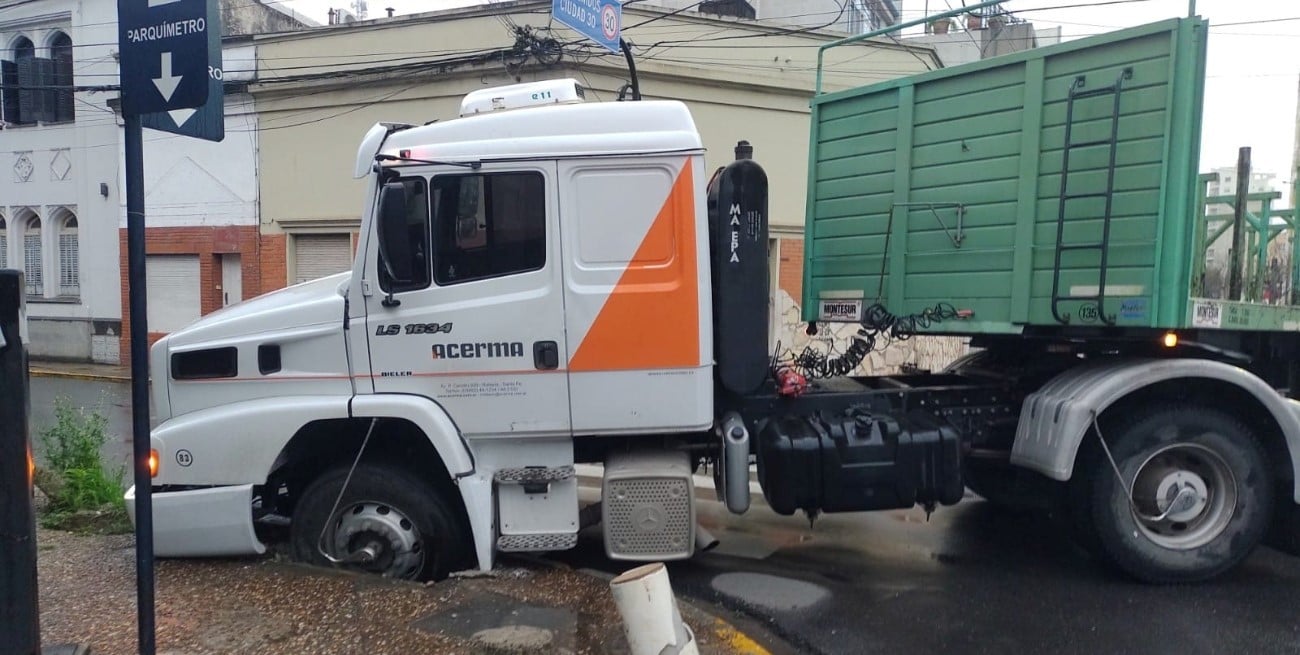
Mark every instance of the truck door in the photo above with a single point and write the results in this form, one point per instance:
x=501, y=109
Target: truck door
x=479, y=324
x=637, y=302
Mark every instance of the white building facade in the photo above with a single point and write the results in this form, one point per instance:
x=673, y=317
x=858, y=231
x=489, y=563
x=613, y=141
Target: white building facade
x=58, y=185
x=62, y=186
x=851, y=16
x=979, y=36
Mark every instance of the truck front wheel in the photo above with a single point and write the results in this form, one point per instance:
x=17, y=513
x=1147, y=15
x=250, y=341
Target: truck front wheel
x=386, y=521
x=1201, y=494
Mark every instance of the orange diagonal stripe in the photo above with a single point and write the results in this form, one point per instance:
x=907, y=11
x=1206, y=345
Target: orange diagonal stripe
x=652, y=317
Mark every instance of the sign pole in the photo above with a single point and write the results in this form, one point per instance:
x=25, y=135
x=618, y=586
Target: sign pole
x=144, y=585
x=164, y=48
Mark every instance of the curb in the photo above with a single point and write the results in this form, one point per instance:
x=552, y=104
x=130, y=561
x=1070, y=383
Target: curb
x=734, y=638
x=94, y=377
x=726, y=632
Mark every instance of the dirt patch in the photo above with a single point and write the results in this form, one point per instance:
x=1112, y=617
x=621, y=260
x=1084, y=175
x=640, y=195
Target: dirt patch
x=237, y=606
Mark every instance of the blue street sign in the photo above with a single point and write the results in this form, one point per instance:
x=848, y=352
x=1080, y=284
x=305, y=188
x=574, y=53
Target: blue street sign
x=207, y=122
x=163, y=46
x=598, y=20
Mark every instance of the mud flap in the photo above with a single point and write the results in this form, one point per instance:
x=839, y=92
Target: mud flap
x=1285, y=532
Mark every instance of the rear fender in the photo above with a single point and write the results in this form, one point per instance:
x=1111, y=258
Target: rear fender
x=1055, y=419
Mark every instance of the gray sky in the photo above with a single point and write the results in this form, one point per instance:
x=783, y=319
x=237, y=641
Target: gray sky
x=1252, y=77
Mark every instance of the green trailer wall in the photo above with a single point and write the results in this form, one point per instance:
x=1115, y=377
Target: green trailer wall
x=890, y=164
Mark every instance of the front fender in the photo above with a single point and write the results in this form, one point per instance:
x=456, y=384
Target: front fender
x=1055, y=419
x=426, y=415
x=238, y=442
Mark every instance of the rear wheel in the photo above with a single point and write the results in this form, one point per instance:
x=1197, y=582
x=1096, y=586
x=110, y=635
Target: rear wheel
x=388, y=521
x=1201, y=495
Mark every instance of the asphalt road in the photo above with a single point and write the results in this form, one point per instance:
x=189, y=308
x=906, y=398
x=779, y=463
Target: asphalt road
x=969, y=580
x=112, y=399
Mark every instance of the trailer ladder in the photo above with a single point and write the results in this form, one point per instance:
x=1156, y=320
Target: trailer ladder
x=1077, y=92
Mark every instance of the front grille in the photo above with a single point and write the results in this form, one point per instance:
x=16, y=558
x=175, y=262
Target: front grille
x=648, y=518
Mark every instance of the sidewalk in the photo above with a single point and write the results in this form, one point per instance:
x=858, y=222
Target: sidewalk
x=271, y=607
x=79, y=371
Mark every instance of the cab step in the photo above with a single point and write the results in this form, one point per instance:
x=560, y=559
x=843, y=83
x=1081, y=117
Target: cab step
x=534, y=474
x=520, y=543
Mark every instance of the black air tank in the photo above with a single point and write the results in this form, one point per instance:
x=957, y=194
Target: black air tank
x=739, y=254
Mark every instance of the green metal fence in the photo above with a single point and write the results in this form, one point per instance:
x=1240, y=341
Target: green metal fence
x=1269, y=262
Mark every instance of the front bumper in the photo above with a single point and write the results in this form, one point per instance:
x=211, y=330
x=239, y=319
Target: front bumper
x=216, y=521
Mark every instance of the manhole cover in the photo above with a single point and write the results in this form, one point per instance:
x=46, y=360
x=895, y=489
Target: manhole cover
x=769, y=591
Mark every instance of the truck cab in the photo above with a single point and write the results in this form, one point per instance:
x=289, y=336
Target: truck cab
x=530, y=274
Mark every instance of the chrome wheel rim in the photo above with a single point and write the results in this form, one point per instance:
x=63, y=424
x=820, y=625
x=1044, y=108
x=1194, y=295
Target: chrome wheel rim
x=1184, y=496
x=376, y=537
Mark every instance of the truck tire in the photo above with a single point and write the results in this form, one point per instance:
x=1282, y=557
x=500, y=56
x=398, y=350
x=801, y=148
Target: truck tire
x=1202, y=471
x=402, y=519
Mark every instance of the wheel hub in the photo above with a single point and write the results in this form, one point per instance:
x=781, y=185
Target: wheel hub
x=1181, y=496
x=1184, y=496
x=380, y=539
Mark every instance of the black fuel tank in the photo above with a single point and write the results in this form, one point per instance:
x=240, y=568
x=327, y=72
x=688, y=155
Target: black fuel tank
x=858, y=462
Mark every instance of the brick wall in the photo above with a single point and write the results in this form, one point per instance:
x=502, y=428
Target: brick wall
x=260, y=260
x=273, y=259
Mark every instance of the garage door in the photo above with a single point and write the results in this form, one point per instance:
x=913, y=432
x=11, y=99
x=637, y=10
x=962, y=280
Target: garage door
x=172, y=283
x=318, y=255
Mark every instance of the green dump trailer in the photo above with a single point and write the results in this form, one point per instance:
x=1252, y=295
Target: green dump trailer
x=1052, y=189
x=1047, y=205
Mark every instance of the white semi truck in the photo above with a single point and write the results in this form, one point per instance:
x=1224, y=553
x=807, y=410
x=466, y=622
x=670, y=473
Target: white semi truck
x=545, y=281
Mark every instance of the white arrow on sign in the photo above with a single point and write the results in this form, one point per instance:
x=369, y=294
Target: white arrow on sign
x=182, y=115
x=166, y=82
x=159, y=3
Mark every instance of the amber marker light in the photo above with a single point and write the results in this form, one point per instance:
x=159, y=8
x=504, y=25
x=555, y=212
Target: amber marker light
x=1170, y=340
x=153, y=463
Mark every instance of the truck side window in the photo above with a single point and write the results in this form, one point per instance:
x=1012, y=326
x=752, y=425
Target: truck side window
x=488, y=225
x=417, y=226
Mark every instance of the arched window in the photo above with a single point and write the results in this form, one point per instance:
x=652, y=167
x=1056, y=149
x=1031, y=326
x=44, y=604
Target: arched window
x=69, y=258
x=22, y=57
x=4, y=242
x=23, y=47
x=32, y=258
x=61, y=51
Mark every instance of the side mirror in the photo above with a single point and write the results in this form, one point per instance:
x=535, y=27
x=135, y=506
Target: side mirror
x=394, y=237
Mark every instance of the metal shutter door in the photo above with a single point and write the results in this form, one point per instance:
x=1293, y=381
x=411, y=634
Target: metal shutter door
x=172, y=284
x=318, y=255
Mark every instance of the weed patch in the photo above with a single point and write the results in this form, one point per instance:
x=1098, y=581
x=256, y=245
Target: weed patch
x=83, y=495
